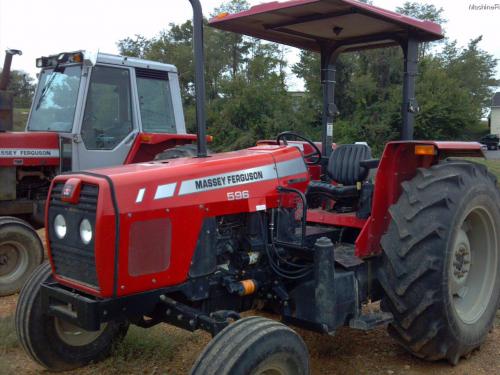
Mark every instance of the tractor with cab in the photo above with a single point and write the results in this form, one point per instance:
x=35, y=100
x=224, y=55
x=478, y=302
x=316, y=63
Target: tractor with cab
x=89, y=110
x=194, y=242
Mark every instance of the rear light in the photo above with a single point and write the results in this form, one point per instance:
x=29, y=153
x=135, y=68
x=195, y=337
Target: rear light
x=425, y=150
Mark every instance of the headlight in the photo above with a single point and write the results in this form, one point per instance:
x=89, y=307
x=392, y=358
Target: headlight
x=85, y=231
x=60, y=226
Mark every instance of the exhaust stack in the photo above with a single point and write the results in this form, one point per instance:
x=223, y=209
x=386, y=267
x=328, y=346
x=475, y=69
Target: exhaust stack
x=7, y=97
x=199, y=62
x=5, y=78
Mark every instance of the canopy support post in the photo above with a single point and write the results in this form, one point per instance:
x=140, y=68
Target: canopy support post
x=329, y=56
x=410, y=105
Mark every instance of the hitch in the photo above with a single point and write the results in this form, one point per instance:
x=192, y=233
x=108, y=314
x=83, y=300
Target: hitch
x=191, y=319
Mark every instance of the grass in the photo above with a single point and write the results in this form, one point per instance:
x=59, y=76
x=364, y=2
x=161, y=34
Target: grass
x=493, y=166
x=8, y=338
x=141, y=349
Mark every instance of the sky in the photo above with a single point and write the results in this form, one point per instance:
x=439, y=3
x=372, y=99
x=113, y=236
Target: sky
x=41, y=28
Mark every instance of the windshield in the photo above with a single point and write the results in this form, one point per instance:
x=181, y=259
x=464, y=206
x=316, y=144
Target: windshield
x=55, y=101
x=155, y=101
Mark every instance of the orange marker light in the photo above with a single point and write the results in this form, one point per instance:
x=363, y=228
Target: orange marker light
x=146, y=138
x=425, y=150
x=221, y=15
x=249, y=287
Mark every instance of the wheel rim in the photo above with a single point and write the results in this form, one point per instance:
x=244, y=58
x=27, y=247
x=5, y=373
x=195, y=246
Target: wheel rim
x=278, y=364
x=473, y=265
x=14, y=261
x=75, y=336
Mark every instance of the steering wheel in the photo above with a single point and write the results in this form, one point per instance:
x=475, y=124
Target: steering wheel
x=282, y=137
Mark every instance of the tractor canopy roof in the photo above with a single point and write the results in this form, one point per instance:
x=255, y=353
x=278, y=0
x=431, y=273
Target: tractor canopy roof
x=314, y=24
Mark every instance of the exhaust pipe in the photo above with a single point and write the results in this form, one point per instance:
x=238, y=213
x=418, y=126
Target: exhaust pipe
x=7, y=97
x=5, y=78
x=199, y=81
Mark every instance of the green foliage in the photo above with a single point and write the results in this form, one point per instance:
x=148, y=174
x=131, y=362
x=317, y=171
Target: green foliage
x=247, y=97
x=23, y=86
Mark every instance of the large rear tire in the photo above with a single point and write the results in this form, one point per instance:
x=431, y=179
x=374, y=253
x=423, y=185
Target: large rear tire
x=441, y=268
x=254, y=346
x=54, y=343
x=183, y=151
x=21, y=251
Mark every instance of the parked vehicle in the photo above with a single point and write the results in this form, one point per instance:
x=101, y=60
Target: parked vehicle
x=89, y=110
x=491, y=141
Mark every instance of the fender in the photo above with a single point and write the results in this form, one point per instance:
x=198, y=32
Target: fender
x=399, y=163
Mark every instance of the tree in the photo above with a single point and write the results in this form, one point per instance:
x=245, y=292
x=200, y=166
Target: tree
x=247, y=96
x=23, y=86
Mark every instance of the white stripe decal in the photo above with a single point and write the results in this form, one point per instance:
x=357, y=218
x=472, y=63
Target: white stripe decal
x=225, y=180
x=6, y=153
x=291, y=167
x=165, y=191
x=244, y=176
x=140, y=195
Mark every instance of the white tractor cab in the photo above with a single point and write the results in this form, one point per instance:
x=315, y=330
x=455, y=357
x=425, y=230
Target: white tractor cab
x=100, y=103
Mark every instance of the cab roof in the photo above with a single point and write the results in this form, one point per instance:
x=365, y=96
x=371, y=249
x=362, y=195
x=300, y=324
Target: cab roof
x=311, y=24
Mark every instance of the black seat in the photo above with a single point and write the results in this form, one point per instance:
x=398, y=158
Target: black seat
x=347, y=166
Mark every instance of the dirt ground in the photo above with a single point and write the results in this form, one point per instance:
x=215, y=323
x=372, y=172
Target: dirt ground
x=168, y=350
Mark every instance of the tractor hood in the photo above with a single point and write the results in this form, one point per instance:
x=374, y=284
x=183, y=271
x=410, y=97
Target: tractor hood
x=163, y=182
x=164, y=204
x=29, y=149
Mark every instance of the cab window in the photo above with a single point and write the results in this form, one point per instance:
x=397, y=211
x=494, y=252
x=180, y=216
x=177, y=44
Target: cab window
x=155, y=102
x=107, y=118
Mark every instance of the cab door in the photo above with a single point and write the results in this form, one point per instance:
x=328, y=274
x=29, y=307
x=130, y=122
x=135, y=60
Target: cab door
x=109, y=122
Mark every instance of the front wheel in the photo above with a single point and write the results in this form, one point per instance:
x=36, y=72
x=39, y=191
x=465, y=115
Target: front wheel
x=441, y=269
x=254, y=346
x=56, y=344
x=21, y=251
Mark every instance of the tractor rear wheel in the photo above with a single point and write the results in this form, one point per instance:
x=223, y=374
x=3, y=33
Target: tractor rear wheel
x=21, y=251
x=441, y=268
x=256, y=346
x=56, y=344
x=183, y=151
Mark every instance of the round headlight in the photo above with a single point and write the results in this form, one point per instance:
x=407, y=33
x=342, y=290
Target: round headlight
x=85, y=231
x=60, y=227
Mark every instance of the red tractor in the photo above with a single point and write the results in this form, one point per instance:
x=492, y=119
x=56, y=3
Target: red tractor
x=89, y=111
x=193, y=242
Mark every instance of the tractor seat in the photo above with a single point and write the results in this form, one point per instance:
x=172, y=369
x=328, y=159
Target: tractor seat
x=348, y=165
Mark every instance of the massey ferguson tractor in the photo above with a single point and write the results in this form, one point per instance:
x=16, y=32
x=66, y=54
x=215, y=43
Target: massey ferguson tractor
x=193, y=242
x=89, y=110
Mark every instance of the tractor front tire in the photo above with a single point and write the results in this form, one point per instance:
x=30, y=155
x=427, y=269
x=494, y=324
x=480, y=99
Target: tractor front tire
x=441, y=265
x=56, y=344
x=21, y=251
x=254, y=346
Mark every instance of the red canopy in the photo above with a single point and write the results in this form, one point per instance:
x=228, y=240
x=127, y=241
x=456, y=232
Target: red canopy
x=308, y=24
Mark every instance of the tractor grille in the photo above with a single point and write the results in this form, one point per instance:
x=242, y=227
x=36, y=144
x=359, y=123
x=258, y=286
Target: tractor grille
x=72, y=258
